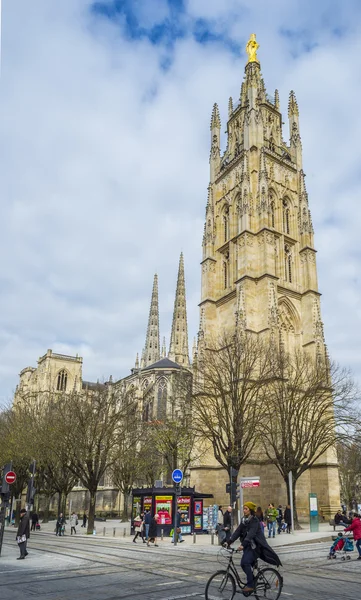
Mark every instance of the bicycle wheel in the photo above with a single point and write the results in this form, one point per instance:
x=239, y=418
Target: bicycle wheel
x=268, y=584
x=221, y=586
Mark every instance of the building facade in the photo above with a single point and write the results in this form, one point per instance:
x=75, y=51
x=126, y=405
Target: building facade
x=259, y=260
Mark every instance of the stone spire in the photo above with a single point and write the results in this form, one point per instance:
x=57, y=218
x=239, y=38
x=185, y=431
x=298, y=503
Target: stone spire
x=215, y=155
x=151, y=350
x=164, y=349
x=230, y=107
x=294, y=126
x=178, y=348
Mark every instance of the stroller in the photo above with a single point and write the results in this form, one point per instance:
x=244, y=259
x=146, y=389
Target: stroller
x=37, y=527
x=341, y=547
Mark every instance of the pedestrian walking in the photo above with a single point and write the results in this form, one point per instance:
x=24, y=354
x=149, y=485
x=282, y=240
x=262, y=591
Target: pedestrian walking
x=60, y=525
x=271, y=514
x=73, y=522
x=139, y=528
x=34, y=521
x=253, y=544
x=153, y=531
x=178, y=531
x=227, y=522
x=288, y=518
x=355, y=527
x=147, y=522
x=23, y=533
x=85, y=518
x=279, y=518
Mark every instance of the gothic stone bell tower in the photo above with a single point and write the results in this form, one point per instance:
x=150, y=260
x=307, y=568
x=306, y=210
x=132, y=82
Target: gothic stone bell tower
x=259, y=260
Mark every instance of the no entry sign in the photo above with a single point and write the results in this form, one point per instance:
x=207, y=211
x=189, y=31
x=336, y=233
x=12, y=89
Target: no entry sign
x=10, y=477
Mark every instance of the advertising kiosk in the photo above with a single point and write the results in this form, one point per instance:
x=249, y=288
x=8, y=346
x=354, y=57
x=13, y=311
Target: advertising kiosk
x=164, y=502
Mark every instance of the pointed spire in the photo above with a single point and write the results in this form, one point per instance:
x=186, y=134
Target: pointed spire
x=164, y=349
x=305, y=220
x=230, y=107
x=277, y=100
x=137, y=361
x=292, y=105
x=215, y=119
x=178, y=348
x=151, y=350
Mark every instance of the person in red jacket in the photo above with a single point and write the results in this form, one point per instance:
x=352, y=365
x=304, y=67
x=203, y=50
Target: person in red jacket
x=355, y=527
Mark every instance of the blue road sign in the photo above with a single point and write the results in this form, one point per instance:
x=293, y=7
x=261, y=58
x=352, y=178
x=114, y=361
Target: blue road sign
x=177, y=475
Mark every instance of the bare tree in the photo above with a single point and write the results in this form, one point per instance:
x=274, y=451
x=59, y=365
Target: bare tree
x=308, y=405
x=349, y=460
x=227, y=396
x=92, y=425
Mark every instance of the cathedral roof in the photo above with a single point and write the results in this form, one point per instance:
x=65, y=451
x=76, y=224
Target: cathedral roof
x=163, y=363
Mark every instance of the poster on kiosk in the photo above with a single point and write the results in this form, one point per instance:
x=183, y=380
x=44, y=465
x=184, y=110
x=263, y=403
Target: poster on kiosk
x=184, y=504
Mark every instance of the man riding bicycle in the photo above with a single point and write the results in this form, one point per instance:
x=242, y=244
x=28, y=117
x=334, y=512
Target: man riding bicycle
x=253, y=544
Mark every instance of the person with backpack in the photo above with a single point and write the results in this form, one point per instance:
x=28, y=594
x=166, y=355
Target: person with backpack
x=271, y=515
x=253, y=544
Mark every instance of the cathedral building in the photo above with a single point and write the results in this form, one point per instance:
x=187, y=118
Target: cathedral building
x=259, y=260
x=258, y=273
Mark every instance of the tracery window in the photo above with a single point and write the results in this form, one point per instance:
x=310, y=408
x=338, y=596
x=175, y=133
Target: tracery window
x=62, y=381
x=286, y=217
x=272, y=213
x=226, y=224
x=162, y=400
x=288, y=264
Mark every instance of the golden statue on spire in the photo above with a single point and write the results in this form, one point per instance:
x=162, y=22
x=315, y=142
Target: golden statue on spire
x=252, y=48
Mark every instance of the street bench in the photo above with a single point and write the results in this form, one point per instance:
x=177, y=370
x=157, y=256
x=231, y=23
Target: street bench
x=334, y=525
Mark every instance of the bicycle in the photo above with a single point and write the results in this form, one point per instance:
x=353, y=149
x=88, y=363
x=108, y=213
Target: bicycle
x=223, y=584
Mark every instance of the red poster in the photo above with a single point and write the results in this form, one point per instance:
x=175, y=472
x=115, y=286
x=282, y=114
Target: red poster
x=163, y=507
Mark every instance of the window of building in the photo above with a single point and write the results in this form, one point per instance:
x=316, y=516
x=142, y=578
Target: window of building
x=286, y=217
x=272, y=207
x=226, y=224
x=162, y=400
x=288, y=264
x=225, y=274
x=62, y=381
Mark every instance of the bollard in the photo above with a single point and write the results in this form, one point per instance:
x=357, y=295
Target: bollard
x=194, y=537
x=124, y=532
x=113, y=531
x=103, y=530
x=161, y=534
x=212, y=538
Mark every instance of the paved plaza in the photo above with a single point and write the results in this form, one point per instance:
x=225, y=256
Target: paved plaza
x=106, y=568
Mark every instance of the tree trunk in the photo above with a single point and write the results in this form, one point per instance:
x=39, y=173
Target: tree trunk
x=46, y=509
x=63, y=503
x=91, y=517
x=125, y=506
x=59, y=503
x=295, y=515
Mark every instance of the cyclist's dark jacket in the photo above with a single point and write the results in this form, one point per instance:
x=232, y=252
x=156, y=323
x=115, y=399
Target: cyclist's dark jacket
x=250, y=534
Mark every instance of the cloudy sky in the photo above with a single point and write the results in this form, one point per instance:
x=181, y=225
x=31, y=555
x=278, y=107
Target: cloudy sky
x=104, y=146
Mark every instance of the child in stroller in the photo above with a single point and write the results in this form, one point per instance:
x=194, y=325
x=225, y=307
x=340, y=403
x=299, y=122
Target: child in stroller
x=341, y=547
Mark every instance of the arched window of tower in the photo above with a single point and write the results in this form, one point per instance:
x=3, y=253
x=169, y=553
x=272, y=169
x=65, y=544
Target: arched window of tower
x=286, y=216
x=162, y=400
x=62, y=381
x=288, y=264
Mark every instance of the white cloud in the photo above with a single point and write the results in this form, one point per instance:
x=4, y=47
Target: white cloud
x=104, y=168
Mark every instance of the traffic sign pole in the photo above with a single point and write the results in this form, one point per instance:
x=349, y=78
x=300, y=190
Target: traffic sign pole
x=4, y=495
x=177, y=477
